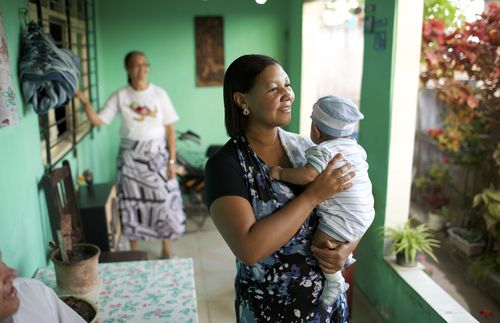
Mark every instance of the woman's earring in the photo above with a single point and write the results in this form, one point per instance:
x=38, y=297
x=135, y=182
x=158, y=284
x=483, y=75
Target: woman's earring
x=246, y=111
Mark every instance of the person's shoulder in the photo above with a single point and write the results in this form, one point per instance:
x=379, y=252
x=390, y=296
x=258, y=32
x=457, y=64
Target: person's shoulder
x=123, y=89
x=226, y=156
x=120, y=92
x=295, y=138
x=158, y=89
x=290, y=135
x=227, y=151
x=29, y=285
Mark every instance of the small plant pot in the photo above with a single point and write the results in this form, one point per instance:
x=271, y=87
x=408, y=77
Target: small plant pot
x=82, y=306
x=435, y=221
x=468, y=248
x=401, y=260
x=78, y=276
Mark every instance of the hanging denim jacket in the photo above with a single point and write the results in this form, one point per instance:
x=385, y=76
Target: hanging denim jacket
x=49, y=75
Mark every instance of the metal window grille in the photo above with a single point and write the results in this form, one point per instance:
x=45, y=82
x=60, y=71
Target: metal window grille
x=72, y=25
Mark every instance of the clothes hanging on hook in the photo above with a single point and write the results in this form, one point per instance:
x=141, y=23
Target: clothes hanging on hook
x=49, y=75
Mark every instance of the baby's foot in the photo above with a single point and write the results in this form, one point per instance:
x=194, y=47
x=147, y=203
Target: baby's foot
x=331, y=291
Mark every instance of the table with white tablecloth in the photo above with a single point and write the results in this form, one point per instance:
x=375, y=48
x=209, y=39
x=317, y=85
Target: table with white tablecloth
x=142, y=291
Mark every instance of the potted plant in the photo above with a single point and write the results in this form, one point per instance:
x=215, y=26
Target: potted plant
x=486, y=205
x=75, y=265
x=489, y=202
x=490, y=198
x=431, y=189
x=86, y=308
x=469, y=241
x=408, y=241
x=484, y=271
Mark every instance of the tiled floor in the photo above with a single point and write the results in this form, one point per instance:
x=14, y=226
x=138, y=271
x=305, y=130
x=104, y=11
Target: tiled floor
x=215, y=269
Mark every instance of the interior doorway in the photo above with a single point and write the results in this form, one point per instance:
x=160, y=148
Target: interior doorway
x=332, y=53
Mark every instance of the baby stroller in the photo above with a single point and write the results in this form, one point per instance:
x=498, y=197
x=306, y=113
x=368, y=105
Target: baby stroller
x=191, y=175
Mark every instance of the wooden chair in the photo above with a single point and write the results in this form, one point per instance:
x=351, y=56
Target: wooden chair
x=61, y=200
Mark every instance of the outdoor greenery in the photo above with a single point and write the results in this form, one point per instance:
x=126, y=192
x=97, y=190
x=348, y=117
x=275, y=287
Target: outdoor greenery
x=483, y=266
x=461, y=63
x=431, y=188
x=489, y=201
x=443, y=10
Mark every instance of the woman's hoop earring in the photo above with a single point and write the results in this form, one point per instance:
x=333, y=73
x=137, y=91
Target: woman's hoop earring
x=246, y=111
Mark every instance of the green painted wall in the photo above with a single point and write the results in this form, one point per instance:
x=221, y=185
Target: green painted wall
x=24, y=224
x=393, y=299
x=294, y=63
x=164, y=30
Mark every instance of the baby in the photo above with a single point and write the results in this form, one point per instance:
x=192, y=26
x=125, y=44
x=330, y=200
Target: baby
x=346, y=216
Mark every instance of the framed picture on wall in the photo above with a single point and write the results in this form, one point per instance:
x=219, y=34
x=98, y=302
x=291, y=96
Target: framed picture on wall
x=209, y=39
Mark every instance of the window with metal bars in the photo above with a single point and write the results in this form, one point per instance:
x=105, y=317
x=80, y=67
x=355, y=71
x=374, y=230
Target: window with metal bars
x=72, y=25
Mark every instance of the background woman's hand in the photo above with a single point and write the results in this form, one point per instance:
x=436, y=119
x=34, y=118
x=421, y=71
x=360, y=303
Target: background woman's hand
x=170, y=171
x=332, y=259
x=330, y=181
x=82, y=97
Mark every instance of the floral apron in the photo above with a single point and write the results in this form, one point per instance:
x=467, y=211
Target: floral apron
x=285, y=286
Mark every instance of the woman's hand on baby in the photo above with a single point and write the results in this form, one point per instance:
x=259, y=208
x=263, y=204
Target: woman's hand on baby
x=330, y=181
x=331, y=257
x=274, y=172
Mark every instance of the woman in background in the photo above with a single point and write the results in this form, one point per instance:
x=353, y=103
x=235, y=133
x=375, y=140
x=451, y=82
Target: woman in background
x=149, y=198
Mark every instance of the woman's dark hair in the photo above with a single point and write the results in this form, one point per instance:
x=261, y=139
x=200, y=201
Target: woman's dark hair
x=127, y=59
x=240, y=77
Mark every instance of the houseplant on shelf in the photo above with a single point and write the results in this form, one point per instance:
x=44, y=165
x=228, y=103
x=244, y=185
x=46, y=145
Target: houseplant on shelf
x=408, y=241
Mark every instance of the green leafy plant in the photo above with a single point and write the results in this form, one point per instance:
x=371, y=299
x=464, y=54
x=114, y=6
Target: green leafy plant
x=409, y=240
x=443, y=10
x=483, y=266
x=463, y=66
x=489, y=202
x=431, y=188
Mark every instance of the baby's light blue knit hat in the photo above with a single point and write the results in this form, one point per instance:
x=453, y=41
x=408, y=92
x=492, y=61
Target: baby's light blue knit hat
x=335, y=116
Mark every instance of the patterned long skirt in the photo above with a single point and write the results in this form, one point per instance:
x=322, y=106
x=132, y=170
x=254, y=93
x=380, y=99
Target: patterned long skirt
x=150, y=205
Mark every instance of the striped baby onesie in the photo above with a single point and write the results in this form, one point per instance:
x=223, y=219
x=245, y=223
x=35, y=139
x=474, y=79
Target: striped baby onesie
x=346, y=215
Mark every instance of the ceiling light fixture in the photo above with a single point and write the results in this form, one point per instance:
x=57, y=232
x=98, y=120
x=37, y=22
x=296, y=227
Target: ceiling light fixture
x=261, y=1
